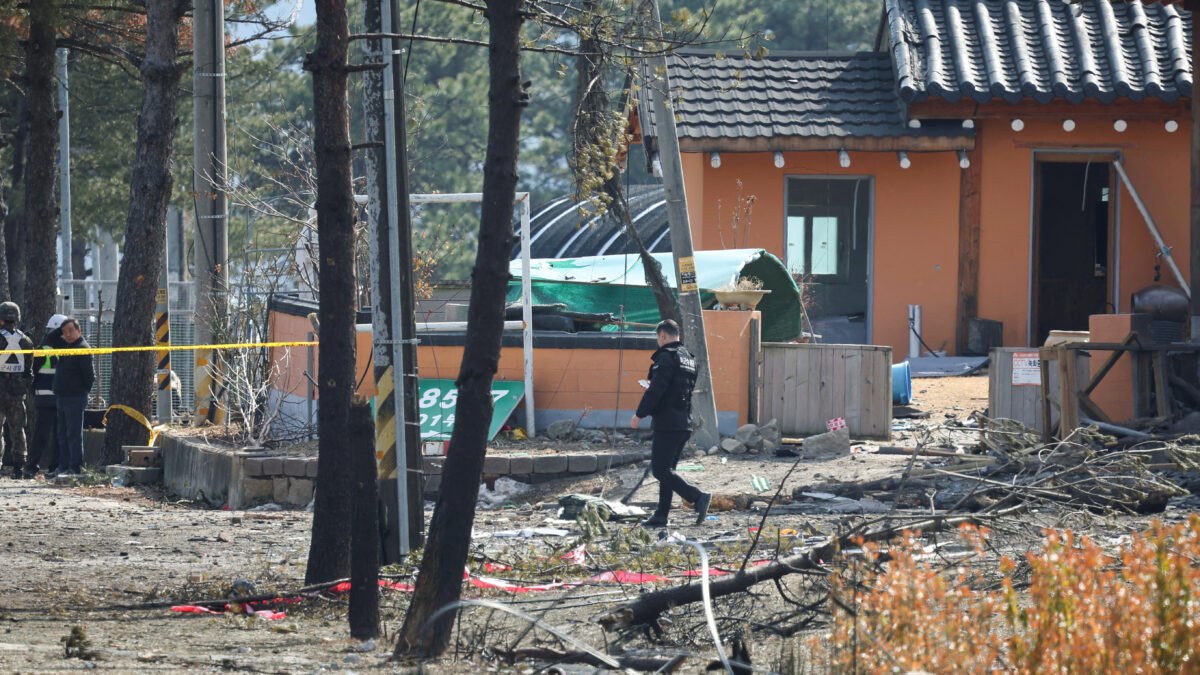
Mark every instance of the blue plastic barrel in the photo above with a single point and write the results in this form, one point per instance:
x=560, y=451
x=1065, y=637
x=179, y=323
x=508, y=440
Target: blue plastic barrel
x=901, y=383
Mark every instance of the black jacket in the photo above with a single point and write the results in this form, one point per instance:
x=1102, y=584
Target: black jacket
x=669, y=398
x=74, y=375
x=17, y=369
x=43, y=370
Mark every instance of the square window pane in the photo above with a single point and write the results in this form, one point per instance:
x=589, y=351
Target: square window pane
x=825, y=245
x=794, y=255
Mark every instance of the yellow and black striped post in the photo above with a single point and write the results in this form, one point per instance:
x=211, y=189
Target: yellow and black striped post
x=162, y=338
x=385, y=425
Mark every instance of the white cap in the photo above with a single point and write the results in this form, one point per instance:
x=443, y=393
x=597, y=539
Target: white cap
x=56, y=321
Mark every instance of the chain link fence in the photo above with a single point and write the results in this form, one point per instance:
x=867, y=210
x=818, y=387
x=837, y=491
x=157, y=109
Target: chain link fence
x=93, y=303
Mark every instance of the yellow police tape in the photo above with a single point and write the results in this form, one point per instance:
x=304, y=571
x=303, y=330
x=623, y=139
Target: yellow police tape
x=138, y=417
x=155, y=348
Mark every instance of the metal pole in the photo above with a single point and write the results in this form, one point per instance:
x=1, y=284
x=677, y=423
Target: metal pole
x=1158, y=240
x=527, y=315
x=64, y=164
x=703, y=401
x=396, y=310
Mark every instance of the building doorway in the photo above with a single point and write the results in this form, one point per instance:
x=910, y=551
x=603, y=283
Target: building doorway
x=1073, y=231
x=827, y=250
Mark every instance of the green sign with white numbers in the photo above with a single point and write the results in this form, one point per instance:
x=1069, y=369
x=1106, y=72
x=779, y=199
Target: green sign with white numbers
x=439, y=400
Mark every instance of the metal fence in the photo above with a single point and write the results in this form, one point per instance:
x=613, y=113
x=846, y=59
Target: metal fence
x=93, y=303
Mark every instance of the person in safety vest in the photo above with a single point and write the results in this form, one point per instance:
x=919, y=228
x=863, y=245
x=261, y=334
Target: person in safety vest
x=668, y=399
x=43, y=448
x=16, y=374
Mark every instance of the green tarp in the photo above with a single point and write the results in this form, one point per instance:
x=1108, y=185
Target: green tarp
x=605, y=283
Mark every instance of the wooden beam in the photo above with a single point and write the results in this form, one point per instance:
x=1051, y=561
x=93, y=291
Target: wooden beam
x=1194, y=241
x=1122, y=108
x=807, y=143
x=969, y=208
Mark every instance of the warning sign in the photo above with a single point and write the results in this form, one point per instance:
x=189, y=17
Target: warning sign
x=687, y=275
x=1026, y=369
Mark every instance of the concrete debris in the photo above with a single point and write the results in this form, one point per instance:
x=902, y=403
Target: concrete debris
x=829, y=444
x=561, y=430
x=504, y=491
x=733, y=446
x=574, y=504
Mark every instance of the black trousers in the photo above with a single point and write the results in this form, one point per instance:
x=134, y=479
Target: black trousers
x=664, y=455
x=43, y=450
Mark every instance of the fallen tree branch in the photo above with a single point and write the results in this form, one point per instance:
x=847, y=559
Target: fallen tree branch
x=639, y=663
x=647, y=607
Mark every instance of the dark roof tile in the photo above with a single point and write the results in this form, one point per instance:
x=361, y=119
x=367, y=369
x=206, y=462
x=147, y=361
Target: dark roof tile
x=1041, y=49
x=785, y=95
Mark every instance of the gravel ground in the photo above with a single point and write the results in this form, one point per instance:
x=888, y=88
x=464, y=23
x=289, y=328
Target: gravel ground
x=109, y=561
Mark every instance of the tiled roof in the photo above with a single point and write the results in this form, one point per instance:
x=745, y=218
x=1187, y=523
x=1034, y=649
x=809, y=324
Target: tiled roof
x=1039, y=49
x=806, y=95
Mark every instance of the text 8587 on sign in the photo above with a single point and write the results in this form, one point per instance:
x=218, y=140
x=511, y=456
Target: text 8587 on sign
x=439, y=399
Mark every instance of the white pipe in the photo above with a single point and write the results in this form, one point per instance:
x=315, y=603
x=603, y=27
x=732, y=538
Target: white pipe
x=914, y=331
x=1162, y=246
x=527, y=315
x=458, y=326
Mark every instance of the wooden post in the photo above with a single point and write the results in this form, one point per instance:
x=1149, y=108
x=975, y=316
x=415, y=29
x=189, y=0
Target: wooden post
x=1162, y=393
x=1194, y=239
x=1068, y=402
x=1044, y=357
x=968, y=242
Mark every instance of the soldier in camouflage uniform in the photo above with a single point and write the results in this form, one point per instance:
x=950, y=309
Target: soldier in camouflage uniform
x=16, y=374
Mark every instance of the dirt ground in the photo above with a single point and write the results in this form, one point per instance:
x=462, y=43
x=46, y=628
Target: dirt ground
x=111, y=561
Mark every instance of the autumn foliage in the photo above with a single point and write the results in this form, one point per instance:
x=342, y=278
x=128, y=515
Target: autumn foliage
x=1085, y=610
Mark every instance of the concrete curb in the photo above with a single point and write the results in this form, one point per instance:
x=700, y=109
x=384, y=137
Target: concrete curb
x=193, y=470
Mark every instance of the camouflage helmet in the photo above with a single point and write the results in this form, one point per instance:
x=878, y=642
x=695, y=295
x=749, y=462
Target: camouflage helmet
x=10, y=312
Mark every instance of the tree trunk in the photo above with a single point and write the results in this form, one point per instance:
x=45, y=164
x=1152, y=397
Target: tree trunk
x=41, y=217
x=439, y=582
x=592, y=126
x=145, y=230
x=364, y=544
x=329, y=552
x=663, y=297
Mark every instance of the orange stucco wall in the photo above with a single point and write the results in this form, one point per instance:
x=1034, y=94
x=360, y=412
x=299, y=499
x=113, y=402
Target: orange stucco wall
x=564, y=379
x=291, y=362
x=914, y=227
x=1158, y=164
x=916, y=212
x=606, y=379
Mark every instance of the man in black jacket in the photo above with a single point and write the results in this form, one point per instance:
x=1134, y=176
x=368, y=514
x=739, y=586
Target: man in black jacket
x=44, y=446
x=73, y=379
x=669, y=400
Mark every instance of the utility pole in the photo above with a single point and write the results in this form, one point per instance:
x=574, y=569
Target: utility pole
x=397, y=433
x=212, y=226
x=704, y=404
x=64, y=167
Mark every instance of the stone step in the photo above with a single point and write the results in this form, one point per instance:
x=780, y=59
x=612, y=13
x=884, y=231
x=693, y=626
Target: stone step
x=136, y=475
x=143, y=457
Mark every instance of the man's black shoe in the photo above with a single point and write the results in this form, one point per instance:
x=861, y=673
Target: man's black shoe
x=655, y=521
x=702, y=508
x=18, y=474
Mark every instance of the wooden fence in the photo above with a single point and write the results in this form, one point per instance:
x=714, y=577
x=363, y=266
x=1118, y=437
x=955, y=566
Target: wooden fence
x=805, y=385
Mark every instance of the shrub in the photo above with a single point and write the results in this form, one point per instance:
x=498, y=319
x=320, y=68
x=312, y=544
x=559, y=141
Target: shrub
x=1085, y=610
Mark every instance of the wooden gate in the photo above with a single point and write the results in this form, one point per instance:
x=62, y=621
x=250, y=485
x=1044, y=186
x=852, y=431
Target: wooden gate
x=805, y=385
